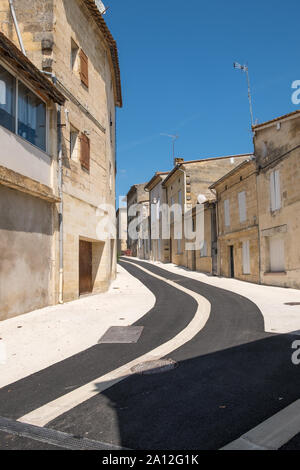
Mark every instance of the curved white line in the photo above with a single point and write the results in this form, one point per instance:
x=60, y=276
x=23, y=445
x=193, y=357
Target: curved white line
x=50, y=411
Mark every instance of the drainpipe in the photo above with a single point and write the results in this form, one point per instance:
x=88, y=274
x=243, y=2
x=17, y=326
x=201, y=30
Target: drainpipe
x=60, y=215
x=60, y=194
x=13, y=14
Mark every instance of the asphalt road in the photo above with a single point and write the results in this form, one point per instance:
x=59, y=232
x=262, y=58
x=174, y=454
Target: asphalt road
x=230, y=377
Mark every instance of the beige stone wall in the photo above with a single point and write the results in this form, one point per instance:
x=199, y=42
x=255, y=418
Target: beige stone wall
x=236, y=240
x=271, y=144
x=47, y=29
x=241, y=180
x=202, y=174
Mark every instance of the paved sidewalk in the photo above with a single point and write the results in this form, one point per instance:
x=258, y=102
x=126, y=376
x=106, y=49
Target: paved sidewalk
x=278, y=317
x=36, y=340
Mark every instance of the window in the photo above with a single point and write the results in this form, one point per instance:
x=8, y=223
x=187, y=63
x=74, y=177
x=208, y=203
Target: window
x=74, y=141
x=84, y=68
x=74, y=55
x=172, y=211
x=85, y=152
x=246, y=257
x=178, y=247
x=277, y=258
x=21, y=111
x=7, y=100
x=227, y=213
x=203, y=251
x=180, y=198
x=275, y=194
x=31, y=117
x=242, y=206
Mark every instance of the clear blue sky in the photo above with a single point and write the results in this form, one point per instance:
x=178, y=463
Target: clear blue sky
x=177, y=73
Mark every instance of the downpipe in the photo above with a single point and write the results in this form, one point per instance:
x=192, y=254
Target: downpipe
x=13, y=14
x=60, y=214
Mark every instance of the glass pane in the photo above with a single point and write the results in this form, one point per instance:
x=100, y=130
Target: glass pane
x=31, y=117
x=7, y=100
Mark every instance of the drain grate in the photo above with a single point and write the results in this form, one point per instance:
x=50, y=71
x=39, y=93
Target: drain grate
x=292, y=304
x=154, y=367
x=121, y=334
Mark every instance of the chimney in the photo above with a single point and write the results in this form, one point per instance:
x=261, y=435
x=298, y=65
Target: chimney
x=178, y=160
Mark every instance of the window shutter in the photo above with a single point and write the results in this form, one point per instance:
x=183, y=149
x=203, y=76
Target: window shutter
x=275, y=191
x=84, y=68
x=227, y=213
x=85, y=152
x=242, y=206
x=277, y=256
x=246, y=257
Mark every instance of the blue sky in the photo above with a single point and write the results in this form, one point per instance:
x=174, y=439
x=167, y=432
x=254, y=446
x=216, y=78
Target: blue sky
x=177, y=75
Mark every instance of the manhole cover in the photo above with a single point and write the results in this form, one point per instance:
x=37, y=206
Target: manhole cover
x=154, y=367
x=292, y=304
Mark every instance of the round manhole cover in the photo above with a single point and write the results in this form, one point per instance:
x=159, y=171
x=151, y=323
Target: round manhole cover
x=154, y=367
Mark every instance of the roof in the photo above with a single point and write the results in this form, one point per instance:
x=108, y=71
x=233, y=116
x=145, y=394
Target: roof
x=18, y=60
x=280, y=118
x=91, y=5
x=157, y=176
x=135, y=186
x=204, y=160
x=231, y=172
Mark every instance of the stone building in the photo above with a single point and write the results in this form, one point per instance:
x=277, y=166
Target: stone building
x=70, y=41
x=138, y=215
x=237, y=221
x=184, y=184
x=277, y=155
x=28, y=184
x=157, y=197
x=204, y=259
x=122, y=230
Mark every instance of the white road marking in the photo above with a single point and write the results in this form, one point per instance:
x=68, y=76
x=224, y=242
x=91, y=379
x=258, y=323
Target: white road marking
x=272, y=433
x=50, y=411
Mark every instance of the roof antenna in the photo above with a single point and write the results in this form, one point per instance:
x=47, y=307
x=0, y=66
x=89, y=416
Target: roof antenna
x=13, y=14
x=244, y=68
x=101, y=7
x=174, y=138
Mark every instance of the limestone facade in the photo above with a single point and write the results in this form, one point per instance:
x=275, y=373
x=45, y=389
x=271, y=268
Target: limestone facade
x=237, y=210
x=70, y=40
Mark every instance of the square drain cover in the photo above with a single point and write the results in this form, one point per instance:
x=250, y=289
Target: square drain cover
x=122, y=334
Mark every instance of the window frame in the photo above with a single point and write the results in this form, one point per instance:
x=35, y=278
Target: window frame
x=30, y=88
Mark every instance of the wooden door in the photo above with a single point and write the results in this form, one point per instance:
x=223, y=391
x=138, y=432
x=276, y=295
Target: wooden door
x=231, y=251
x=85, y=267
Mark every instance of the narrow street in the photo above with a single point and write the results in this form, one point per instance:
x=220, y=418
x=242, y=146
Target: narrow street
x=230, y=377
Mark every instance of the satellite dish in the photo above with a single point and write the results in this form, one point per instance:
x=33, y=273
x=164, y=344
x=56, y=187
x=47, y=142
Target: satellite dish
x=201, y=198
x=100, y=7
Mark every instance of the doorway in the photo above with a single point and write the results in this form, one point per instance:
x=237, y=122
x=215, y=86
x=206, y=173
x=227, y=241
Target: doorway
x=231, y=261
x=85, y=268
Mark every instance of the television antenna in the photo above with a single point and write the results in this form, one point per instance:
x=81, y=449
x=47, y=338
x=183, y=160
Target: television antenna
x=174, y=138
x=101, y=7
x=244, y=68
